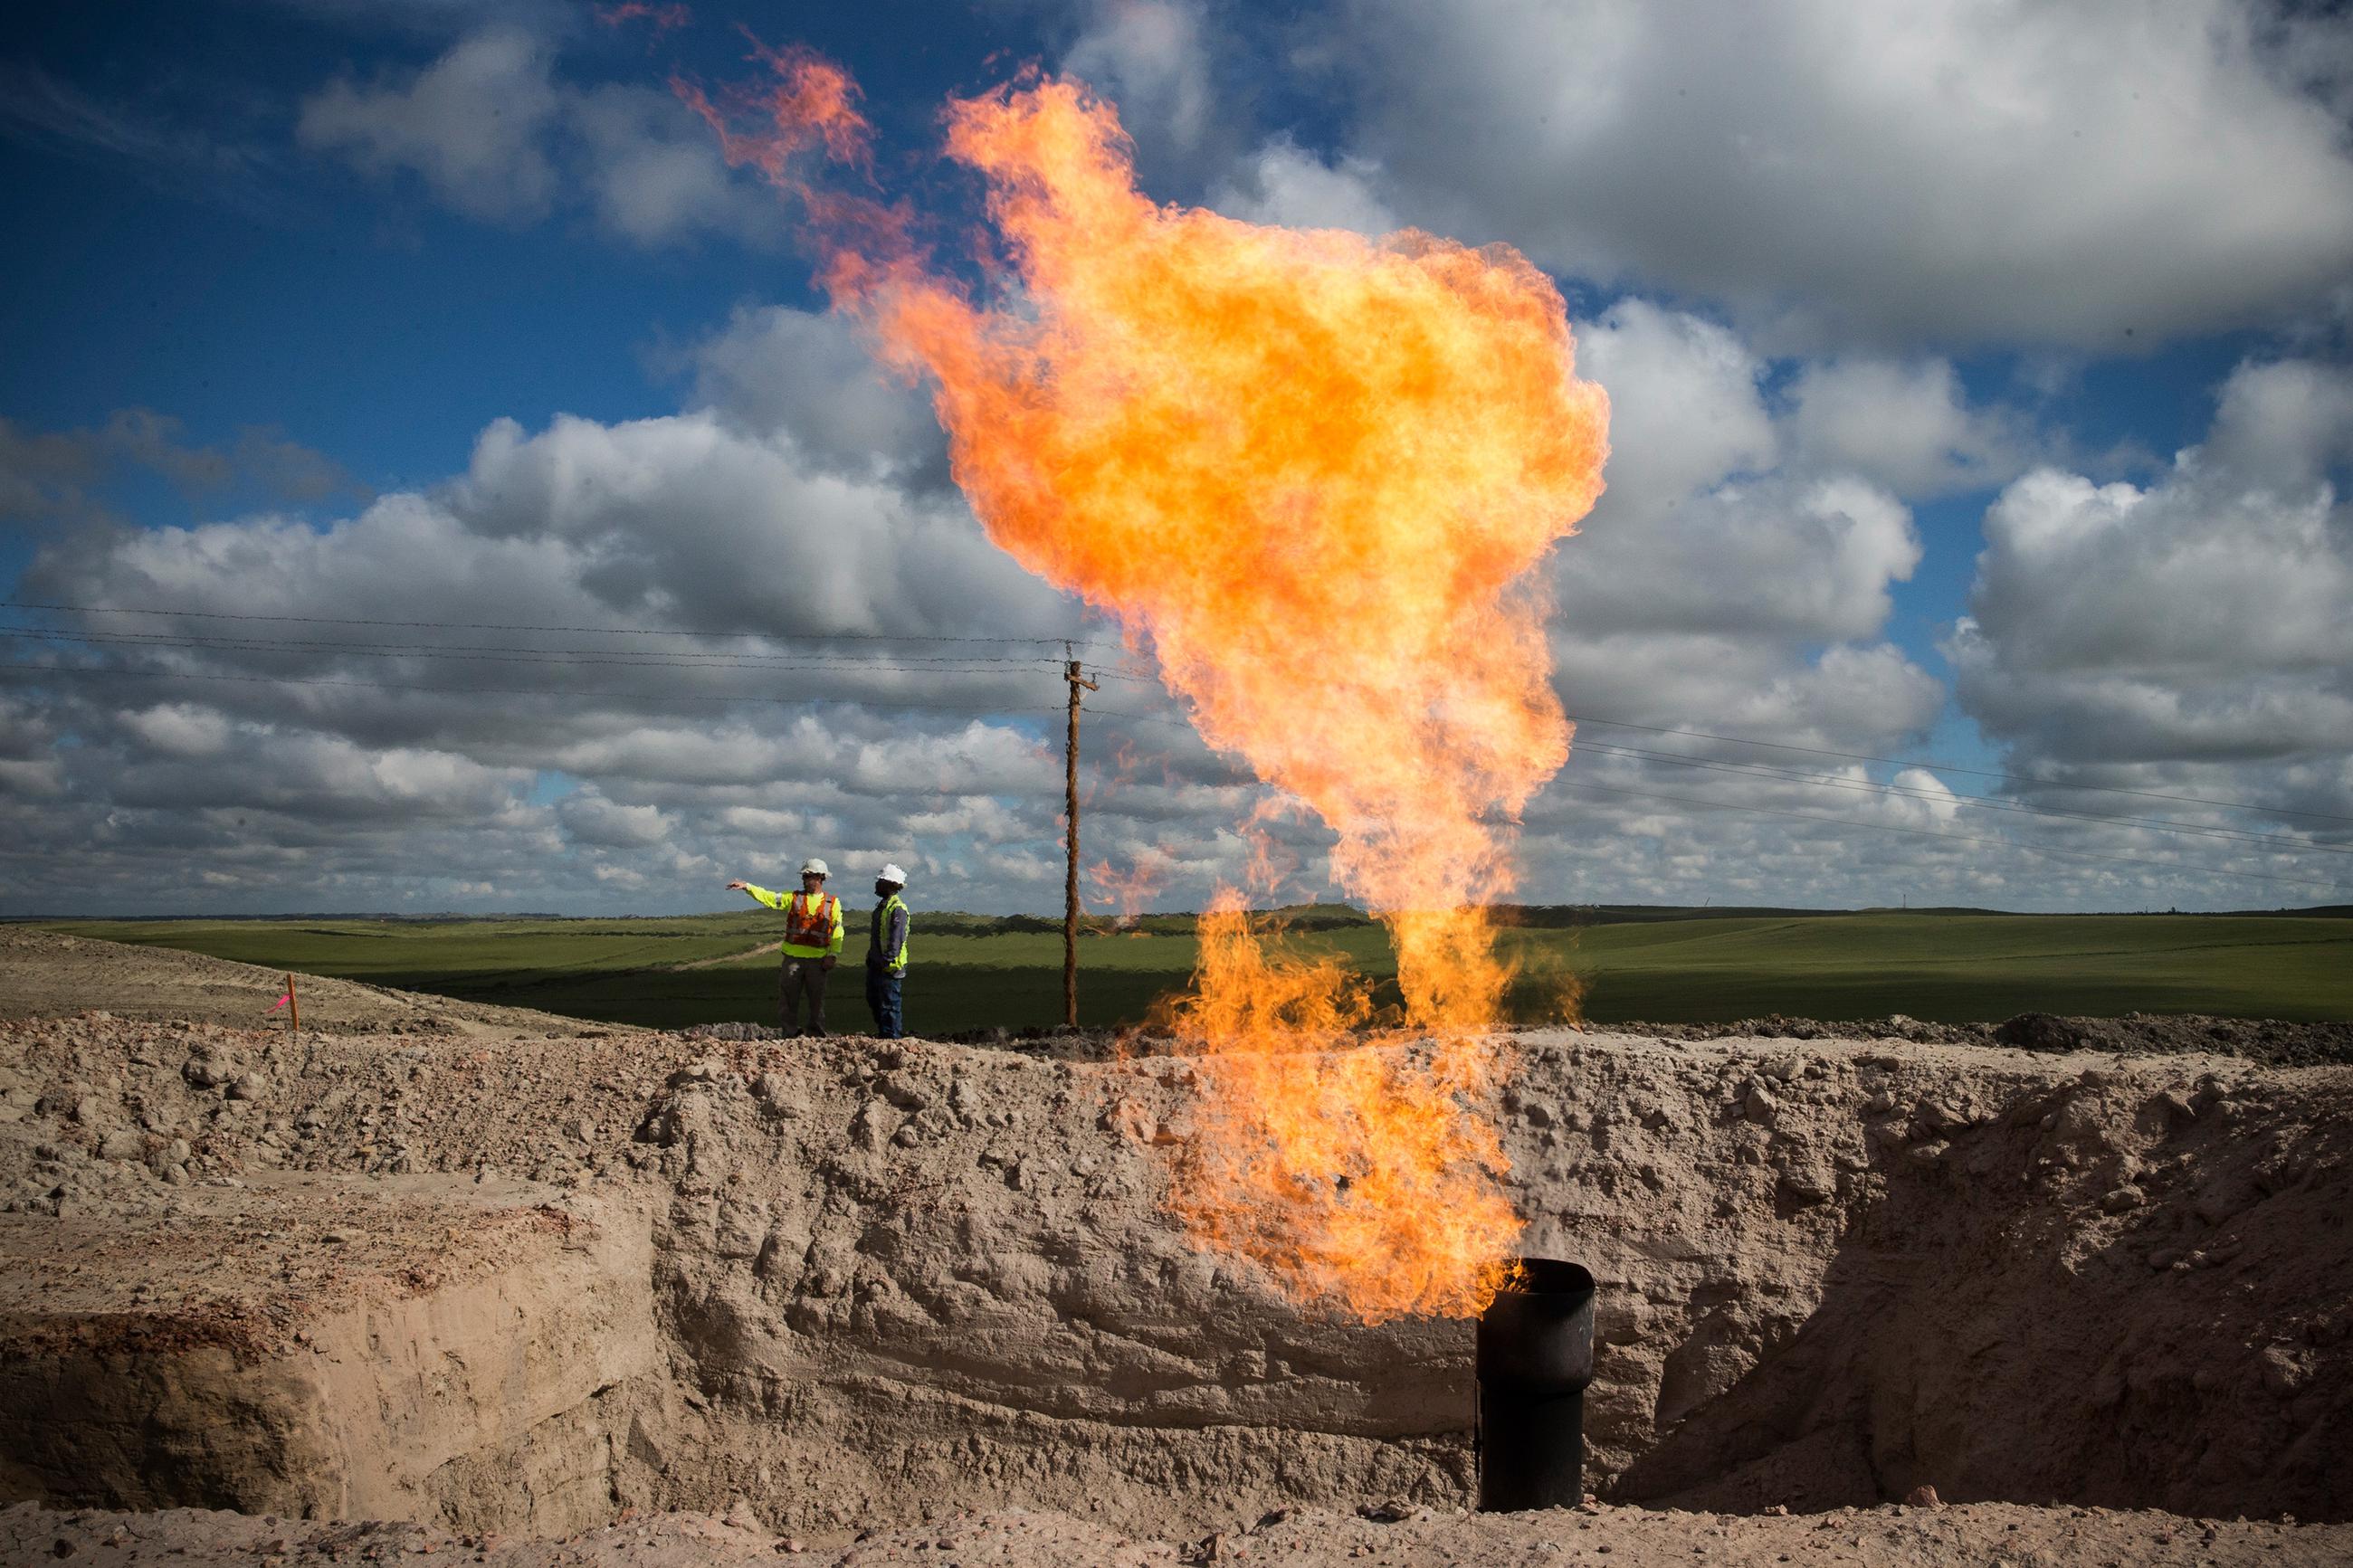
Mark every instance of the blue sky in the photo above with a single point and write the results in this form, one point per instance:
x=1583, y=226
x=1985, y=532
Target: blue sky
x=450, y=312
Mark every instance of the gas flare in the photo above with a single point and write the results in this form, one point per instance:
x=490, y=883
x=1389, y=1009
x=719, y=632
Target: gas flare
x=1313, y=473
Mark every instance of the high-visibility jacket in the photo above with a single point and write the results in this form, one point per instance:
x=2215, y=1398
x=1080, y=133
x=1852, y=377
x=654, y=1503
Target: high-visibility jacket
x=886, y=938
x=812, y=925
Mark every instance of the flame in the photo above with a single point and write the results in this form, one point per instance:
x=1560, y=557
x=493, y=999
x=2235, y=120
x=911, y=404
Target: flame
x=1316, y=473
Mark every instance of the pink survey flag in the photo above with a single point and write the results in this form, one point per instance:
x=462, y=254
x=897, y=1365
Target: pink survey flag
x=282, y=1000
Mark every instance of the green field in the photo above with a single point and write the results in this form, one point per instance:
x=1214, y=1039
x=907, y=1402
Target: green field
x=1662, y=966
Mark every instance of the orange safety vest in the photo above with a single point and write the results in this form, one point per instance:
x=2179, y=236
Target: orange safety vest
x=807, y=924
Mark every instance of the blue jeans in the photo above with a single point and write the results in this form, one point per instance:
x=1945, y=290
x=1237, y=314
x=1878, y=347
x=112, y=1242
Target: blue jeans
x=882, y=1001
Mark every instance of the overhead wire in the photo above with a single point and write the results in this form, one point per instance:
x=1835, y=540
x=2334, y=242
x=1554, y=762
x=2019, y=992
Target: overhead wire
x=526, y=626
x=1128, y=673
x=813, y=662
x=972, y=664
x=469, y=690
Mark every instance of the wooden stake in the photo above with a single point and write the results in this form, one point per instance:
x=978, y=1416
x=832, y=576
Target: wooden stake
x=1072, y=674
x=294, y=1008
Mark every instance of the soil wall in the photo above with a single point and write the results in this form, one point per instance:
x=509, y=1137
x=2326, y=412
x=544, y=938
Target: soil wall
x=1827, y=1276
x=843, y=1284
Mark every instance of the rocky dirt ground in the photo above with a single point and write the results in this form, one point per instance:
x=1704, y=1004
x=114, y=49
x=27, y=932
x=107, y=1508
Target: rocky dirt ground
x=1978, y=1535
x=486, y=1271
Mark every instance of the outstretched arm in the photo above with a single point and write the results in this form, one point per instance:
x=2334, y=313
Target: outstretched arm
x=774, y=900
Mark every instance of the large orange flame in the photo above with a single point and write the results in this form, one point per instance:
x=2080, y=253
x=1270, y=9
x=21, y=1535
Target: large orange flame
x=1313, y=472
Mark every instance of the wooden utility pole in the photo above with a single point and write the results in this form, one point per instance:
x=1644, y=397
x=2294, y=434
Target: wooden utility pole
x=1072, y=673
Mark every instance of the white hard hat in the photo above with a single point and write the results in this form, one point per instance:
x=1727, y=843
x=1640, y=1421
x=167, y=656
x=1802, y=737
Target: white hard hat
x=814, y=867
x=892, y=874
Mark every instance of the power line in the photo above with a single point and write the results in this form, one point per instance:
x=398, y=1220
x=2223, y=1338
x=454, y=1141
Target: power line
x=514, y=691
x=656, y=659
x=1143, y=678
x=1957, y=837
x=934, y=706
x=522, y=626
x=973, y=664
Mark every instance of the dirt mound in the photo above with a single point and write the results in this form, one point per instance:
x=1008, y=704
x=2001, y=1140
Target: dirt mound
x=898, y=1280
x=47, y=974
x=503, y=1280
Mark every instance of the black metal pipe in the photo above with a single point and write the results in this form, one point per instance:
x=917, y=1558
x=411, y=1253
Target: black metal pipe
x=1535, y=1358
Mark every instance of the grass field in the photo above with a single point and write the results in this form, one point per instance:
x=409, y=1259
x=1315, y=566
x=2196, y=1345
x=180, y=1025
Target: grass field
x=1663, y=966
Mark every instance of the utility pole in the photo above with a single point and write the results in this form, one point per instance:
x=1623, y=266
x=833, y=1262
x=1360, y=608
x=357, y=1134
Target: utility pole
x=1072, y=673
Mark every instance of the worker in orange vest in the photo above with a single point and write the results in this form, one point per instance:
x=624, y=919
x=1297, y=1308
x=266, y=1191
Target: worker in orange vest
x=812, y=943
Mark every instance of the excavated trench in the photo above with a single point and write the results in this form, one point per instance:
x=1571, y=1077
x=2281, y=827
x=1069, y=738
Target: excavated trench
x=852, y=1284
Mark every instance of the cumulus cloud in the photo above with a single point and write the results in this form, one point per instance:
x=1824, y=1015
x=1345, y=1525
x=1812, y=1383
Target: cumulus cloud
x=2191, y=634
x=814, y=376
x=494, y=132
x=593, y=818
x=1734, y=582
x=1282, y=183
x=1955, y=172
x=1906, y=425
x=1685, y=411
x=1703, y=531
x=788, y=535
x=1151, y=57
x=471, y=124
x=787, y=678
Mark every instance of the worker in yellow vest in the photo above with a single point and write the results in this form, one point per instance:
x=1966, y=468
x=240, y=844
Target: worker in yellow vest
x=886, y=952
x=812, y=943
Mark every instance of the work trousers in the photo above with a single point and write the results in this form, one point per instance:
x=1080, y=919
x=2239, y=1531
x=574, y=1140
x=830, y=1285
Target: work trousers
x=882, y=1001
x=802, y=977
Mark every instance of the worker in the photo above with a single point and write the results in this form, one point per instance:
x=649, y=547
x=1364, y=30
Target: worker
x=886, y=952
x=812, y=945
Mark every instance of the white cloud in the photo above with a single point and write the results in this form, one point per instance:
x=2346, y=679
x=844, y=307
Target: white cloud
x=591, y=818
x=1805, y=560
x=1954, y=171
x=653, y=173
x=1906, y=425
x=495, y=132
x=1684, y=408
x=1285, y=184
x=366, y=757
x=472, y=124
x=1738, y=578
x=2193, y=630
x=180, y=729
x=1150, y=58
x=812, y=376
x=32, y=776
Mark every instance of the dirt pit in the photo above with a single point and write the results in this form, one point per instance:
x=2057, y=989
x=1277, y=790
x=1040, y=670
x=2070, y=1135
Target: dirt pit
x=488, y=1281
